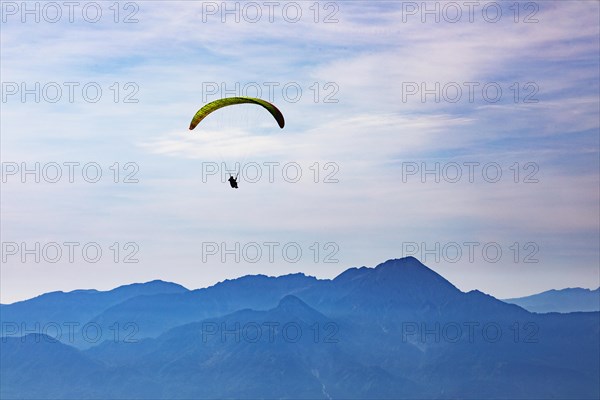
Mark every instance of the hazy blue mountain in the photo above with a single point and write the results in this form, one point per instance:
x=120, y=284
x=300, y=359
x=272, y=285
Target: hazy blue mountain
x=154, y=315
x=37, y=366
x=290, y=351
x=399, y=287
x=398, y=330
x=78, y=305
x=563, y=301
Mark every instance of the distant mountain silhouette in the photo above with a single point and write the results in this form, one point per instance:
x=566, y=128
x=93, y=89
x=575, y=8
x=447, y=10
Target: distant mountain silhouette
x=156, y=314
x=80, y=305
x=398, y=330
x=563, y=301
x=39, y=366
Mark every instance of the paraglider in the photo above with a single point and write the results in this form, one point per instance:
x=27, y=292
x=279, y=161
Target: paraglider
x=229, y=101
x=233, y=182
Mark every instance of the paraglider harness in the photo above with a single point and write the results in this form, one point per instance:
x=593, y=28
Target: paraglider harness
x=233, y=181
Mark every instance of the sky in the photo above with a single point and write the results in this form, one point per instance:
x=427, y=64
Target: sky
x=464, y=134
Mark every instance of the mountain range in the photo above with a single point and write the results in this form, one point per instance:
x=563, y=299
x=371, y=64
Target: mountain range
x=564, y=301
x=398, y=330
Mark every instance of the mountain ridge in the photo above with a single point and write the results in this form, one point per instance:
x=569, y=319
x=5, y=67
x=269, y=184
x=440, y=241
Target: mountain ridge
x=560, y=300
x=396, y=330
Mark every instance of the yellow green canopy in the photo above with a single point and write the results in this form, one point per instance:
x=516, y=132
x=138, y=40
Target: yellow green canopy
x=229, y=101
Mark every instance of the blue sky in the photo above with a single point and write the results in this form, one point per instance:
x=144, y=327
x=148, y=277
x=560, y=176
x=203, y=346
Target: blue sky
x=366, y=55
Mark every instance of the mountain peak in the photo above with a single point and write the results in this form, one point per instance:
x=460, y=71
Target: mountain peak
x=292, y=306
x=410, y=270
x=291, y=301
x=407, y=276
x=404, y=262
x=394, y=263
x=403, y=281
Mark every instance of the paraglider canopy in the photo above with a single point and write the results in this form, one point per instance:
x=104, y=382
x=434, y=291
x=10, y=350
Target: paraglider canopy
x=229, y=101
